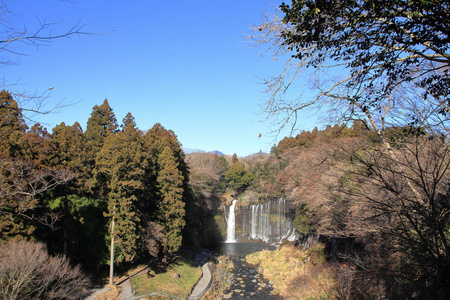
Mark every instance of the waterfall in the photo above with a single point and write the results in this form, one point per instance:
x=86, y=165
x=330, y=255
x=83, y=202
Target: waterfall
x=269, y=221
x=231, y=227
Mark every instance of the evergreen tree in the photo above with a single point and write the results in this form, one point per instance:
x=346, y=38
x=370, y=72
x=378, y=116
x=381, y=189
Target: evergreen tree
x=101, y=123
x=120, y=168
x=238, y=178
x=156, y=140
x=171, y=207
x=24, y=172
x=12, y=126
x=234, y=159
x=70, y=144
x=38, y=146
x=81, y=225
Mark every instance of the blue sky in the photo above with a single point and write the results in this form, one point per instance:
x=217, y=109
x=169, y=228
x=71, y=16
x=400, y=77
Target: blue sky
x=181, y=63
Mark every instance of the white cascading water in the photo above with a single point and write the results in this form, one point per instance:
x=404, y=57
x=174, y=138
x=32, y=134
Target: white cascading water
x=231, y=227
x=270, y=221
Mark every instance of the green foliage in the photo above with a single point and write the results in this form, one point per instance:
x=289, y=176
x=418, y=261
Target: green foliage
x=137, y=180
x=238, y=177
x=167, y=282
x=381, y=43
x=171, y=206
x=120, y=167
x=101, y=124
x=82, y=230
x=12, y=126
x=70, y=146
x=302, y=220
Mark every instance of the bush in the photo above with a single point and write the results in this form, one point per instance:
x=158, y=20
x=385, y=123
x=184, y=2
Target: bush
x=27, y=271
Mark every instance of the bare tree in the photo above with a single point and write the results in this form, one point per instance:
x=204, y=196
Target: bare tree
x=153, y=237
x=411, y=232
x=21, y=182
x=348, y=59
x=27, y=271
x=11, y=36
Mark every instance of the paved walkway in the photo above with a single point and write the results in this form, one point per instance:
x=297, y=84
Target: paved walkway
x=204, y=283
x=199, y=290
x=97, y=293
x=126, y=290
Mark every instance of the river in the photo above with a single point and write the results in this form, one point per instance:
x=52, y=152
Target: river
x=246, y=283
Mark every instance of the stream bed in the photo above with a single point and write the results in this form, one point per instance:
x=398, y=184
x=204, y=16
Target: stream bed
x=246, y=282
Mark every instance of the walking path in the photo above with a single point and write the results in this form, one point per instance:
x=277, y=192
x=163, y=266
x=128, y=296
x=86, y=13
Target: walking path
x=97, y=292
x=199, y=290
x=203, y=284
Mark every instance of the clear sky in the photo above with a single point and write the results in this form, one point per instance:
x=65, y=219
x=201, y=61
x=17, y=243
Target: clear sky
x=181, y=63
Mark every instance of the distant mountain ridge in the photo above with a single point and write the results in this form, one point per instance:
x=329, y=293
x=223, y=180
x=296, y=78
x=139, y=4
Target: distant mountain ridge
x=190, y=150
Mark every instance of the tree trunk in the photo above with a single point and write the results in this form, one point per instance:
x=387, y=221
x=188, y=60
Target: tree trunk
x=111, y=259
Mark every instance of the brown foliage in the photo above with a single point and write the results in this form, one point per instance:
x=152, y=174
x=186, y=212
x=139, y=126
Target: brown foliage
x=390, y=205
x=20, y=184
x=27, y=271
x=205, y=172
x=153, y=238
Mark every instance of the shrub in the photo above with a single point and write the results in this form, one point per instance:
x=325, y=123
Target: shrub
x=27, y=271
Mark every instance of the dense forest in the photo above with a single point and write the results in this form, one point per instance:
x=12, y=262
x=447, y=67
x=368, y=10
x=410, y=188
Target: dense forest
x=79, y=192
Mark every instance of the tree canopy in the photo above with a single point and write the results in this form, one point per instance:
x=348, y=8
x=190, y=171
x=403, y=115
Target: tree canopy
x=357, y=58
x=383, y=43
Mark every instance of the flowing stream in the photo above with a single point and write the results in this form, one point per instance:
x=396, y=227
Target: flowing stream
x=246, y=282
x=250, y=229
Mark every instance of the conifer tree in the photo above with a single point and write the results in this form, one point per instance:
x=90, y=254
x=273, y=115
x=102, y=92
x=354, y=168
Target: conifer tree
x=70, y=144
x=171, y=207
x=238, y=177
x=120, y=167
x=23, y=178
x=81, y=225
x=101, y=123
x=12, y=126
x=156, y=140
x=38, y=146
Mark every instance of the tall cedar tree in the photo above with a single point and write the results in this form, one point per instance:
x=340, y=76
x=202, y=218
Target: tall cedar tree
x=120, y=168
x=157, y=139
x=12, y=130
x=82, y=224
x=12, y=126
x=171, y=207
x=38, y=147
x=70, y=144
x=101, y=123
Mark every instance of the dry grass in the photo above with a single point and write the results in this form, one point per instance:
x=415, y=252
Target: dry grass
x=297, y=274
x=221, y=268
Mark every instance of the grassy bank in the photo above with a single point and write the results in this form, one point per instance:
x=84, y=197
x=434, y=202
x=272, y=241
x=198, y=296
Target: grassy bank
x=177, y=280
x=297, y=274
